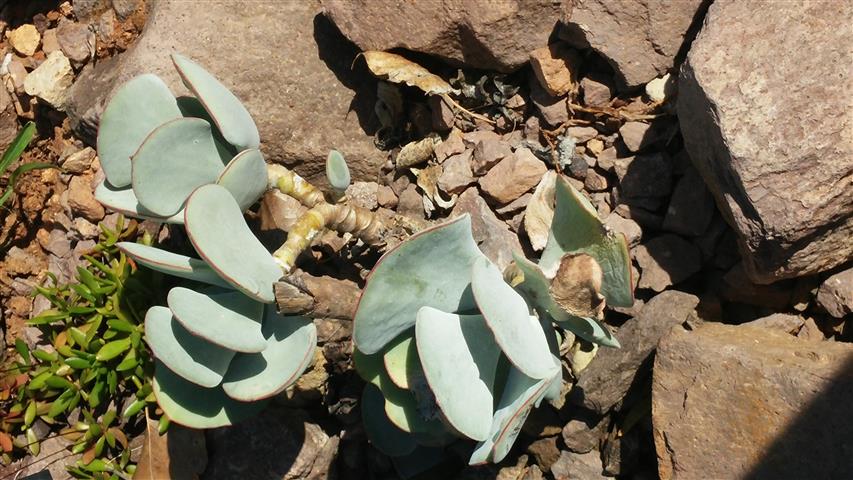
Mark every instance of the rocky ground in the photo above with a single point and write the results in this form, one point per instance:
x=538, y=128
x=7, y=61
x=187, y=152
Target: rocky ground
x=714, y=139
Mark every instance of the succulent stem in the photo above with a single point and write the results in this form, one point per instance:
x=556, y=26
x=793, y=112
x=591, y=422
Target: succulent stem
x=289, y=183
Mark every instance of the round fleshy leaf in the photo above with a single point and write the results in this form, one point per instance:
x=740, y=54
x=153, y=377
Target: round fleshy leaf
x=536, y=288
x=519, y=396
x=577, y=229
x=125, y=202
x=369, y=367
x=172, y=263
x=431, y=268
x=218, y=231
x=402, y=362
x=423, y=462
x=519, y=334
x=137, y=108
x=291, y=342
x=190, y=405
x=224, y=317
x=386, y=437
x=232, y=118
x=192, y=107
x=191, y=357
x=174, y=160
x=245, y=177
x=337, y=171
x=459, y=357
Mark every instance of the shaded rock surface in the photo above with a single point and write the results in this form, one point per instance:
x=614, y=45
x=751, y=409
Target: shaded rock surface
x=491, y=234
x=835, y=295
x=639, y=38
x=480, y=34
x=777, y=401
x=613, y=370
x=783, y=185
x=294, y=76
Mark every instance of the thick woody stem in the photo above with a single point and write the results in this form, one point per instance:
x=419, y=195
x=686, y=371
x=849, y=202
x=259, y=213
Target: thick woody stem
x=292, y=184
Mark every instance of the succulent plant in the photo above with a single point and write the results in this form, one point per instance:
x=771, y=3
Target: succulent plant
x=220, y=346
x=453, y=351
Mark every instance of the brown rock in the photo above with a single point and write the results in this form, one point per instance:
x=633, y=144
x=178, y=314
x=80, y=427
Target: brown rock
x=582, y=434
x=452, y=145
x=513, y=176
x=609, y=376
x=596, y=91
x=594, y=182
x=411, y=204
x=386, y=197
x=639, y=38
x=488, y=152
x=582, y=134
x=49, y=43
x=82, y=200
x=298, y=124
x=545, y=452
x=491, y=234
x=739, y=287
x=51, y=80
x=76, y=41
x=24, y=39
x=835, y=295
x=645, y=175
x=364, y=194
x=784, y=198
x=553, y=110
x=774, y=412
x=481, y=34
x=691, y=207
x=442, y=113
x=572, y=466
x=457, y=173
x=783, y=322
x=635, y=135
x=79, y=162
x=631, y=229
x=666, y=260
x=556, y=67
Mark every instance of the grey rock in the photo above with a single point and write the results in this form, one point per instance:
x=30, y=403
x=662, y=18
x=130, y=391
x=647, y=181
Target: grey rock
x=775, y=406
x=486, y=35
x=491, y=234
x=571, y=466
x=691, y=207
x=85, y=9
x=779, y=184
x=126, y=8
x=607, y=379
x=280, y=443
x=302, y=93
x=835, y=295
x=639, y=38
x=583, y=434
x=644, y=175
x=666, y=260
x=553, y=110
x=76, y=41
x=8, y=119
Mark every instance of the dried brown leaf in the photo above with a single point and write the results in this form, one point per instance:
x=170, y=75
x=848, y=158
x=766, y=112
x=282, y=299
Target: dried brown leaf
x=540, y=211
x=417, y=152
x=577, y=284
x=428, y=181
x=397, y=69
x=179, y=454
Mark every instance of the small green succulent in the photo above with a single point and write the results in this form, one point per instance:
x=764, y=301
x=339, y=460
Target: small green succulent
x=452, y=351
x=220, y=346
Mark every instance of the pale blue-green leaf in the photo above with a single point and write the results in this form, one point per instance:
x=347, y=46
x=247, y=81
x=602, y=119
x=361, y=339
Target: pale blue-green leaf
x=518, y=333
x=386, y=437
x=402, y=362
x=190, y=405
x=218, y=231
x=291, y=342
x=424, y=462
x=535, y=288
x=577, y=229
x=337, y=171
x=431, y=268
x=459, y=357
x=191, y=357
x=178, y=157
x=232, y=118
x=124, y=201
x=245, y=177
x=224, y=317
x=519, y=396
x=172, y=263
x=192, y=107
x=369, y=367
x=137, y=108
x=555, y=339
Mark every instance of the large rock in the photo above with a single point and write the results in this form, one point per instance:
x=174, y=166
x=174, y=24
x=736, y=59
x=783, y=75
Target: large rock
x=613, y=370
x=763, y=122
x=640, y=38
x=480, y=33
x=745, y=402
x=835, y=295
x=285, y=61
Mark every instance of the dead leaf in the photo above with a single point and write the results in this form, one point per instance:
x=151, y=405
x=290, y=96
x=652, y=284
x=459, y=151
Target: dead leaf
x=5, y=442
x=577, y=284
x=582, y=352
x=179, y=454
x=428, y=181
x=415, y=153
x=397, y=69
x=540, y=211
